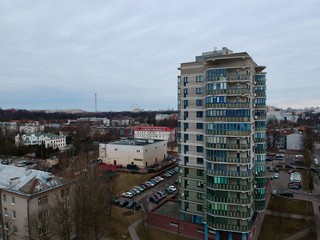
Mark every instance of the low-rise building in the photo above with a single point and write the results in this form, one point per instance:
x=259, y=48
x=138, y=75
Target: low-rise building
x=142, y=153
x=48, y=139
x=25, y=196
x=156, y=133
x=295, y=141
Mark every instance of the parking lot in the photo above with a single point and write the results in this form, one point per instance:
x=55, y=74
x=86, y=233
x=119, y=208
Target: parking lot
x=142, y=198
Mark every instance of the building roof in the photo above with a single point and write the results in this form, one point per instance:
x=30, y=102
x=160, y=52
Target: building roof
x=46, y=135
x=135, y=142
x=26, y=181
x=151, y=128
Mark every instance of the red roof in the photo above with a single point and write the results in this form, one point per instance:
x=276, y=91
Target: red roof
x=147, y=128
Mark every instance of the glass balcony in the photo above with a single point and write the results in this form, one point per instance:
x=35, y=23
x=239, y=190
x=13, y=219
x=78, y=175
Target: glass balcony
x=260, y=117
x=230, y=173
x=228, y=119
x=260, y=94
x=247, y=201
x=259, y=151
x=235, y=91
x=229, y=133
x=229, y=105
x=228, y=227
x=228, y=146
x=219, y=186
x=260, y=140
x=229, y=78
x=260, y=174
x=259, y=197
x=219, y=213
x=229, y=159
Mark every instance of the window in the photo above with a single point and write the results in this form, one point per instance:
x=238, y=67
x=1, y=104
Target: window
x=199, y=90
x=200, y=208
x=43, y=230
x=199, y=172
x=14, y=216
x=15, y=229
x=13, y=200
x=4, y=197
x=199, y=184
x=138, y=150
x=43, y=215
x=198, y=78
x=199, y=125
x=199, y=102
x=200, y=195
x=200, y=160
x=199, y=150
x=199, y=137
x=42, y=201
x=5, y=211
x=199, y=114
x=185, y=79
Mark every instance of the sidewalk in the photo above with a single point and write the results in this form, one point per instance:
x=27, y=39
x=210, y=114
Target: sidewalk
x=132, y=229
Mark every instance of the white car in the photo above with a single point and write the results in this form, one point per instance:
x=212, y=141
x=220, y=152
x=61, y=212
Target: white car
x=127, y=194
x=276, y=175
x=173, y=188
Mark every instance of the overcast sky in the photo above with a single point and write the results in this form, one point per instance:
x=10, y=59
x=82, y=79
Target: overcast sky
x=56, y=54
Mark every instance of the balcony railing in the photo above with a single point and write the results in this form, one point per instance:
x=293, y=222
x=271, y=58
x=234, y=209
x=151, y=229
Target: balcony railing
x=228, y=146
x=229, y=105
x=229, y=78
x=217, y=186
x=228, y=119
x=230, y=173
x=260, y=94
x=229, y=133
x=259, y=197
x=220, y=213
x=259, y=151
x=230, y=160
x=260, y=140
x=230, y=91
x=260, y=174
x=229, y=227
x=240, y=201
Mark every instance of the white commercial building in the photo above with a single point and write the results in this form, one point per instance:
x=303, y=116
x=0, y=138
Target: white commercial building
x=142, y=153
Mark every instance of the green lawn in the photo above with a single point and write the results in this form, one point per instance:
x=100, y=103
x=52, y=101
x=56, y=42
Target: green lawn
x=288, y=205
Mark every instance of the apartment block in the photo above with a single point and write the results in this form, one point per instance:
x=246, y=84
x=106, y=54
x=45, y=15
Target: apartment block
x=222, y=143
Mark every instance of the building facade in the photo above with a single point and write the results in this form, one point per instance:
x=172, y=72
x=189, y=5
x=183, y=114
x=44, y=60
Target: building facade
x=222, y=142
x=48, y=139
x=25, y=197
x=156, y=133
x=294, y=141
x=142, y=153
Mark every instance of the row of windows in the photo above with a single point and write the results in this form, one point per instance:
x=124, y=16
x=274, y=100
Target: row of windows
x=229, y=126
x=4, y=199
x=228, y=113
x=13, y=213
x=216, y=72
x=260, y=101
x=214, y=86
x=216, y=99
x=186, y=79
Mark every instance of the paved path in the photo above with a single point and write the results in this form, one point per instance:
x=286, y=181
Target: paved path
x=132, y=229
x=298, y=235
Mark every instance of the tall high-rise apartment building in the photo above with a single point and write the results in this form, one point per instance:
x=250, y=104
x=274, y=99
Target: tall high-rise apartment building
x=222, y=143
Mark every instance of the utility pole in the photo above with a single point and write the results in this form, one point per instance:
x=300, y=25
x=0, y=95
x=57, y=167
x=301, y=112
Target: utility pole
x=95, y=102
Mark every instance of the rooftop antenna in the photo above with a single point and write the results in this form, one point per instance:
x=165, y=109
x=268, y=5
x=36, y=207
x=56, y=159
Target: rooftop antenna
x=95, y=102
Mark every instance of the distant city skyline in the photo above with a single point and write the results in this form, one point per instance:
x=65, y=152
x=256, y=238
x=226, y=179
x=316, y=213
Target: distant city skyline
x=58, y=54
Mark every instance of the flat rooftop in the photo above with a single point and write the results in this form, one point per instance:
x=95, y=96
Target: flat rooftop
x=135, y=142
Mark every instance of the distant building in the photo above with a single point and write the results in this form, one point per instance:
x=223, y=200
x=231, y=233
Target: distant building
x=281, y=115
x=143, y=153
x=156, y=133
x=31, y=128
x=122, y=122
x=25, y=193
x=48, y=139
x=295, y=141
x=9, y=127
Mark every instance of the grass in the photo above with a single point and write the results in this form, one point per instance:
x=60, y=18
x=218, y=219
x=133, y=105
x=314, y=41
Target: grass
x=305, y=180
x=146, y=233
x=311, y=235
x=278, y=228
x=294, y=206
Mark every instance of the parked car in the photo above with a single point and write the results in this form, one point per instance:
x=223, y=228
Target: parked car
x=293, y=186
x=131, y=205
x=154, y=199
x=115, y=201
x=276, y=175
x=169, y=190
x=5, y=162
x=123, y=203
x=173, y=188
x=137, y=207
x=127, y=194
x=287, y=194
x=295, y=183
x=274, y=192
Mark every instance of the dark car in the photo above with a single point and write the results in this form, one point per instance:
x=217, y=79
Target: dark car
x=115, y=201
x=123, y=204
x=169, y=190
x=131, y=205
x=287, y=194
x=137, y=207
x=295, y=183
x=292, y=186
x=5, y=162
x=158, y=196
x=163, y=195
x=154, y=199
